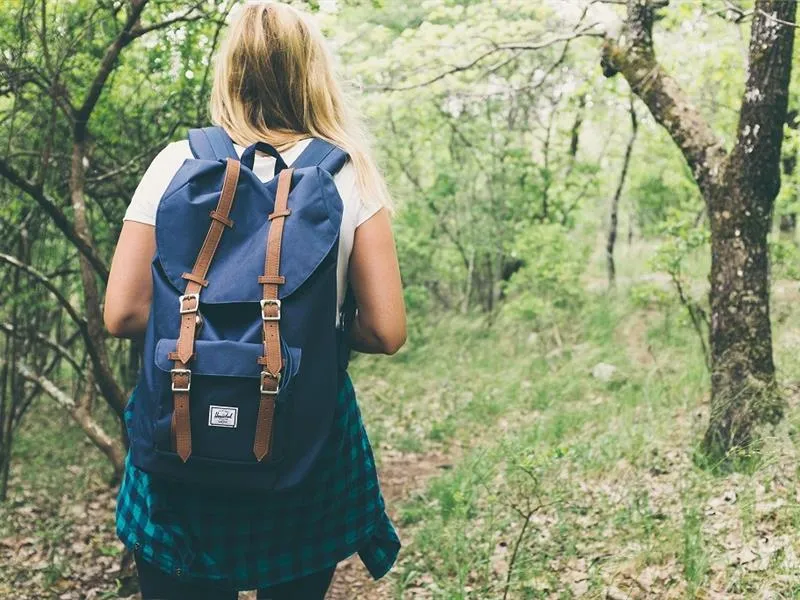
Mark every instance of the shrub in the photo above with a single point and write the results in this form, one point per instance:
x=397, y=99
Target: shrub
x=547, y=288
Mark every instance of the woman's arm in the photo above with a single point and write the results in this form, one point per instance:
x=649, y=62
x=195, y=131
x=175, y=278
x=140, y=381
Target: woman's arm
x=130, y=287
x=380, y=323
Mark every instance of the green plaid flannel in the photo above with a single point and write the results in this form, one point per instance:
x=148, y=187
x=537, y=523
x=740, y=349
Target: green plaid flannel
x=254, y=540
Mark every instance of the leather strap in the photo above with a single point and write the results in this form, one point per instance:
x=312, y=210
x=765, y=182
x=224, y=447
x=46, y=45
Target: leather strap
x=272, y=360
x=181, y=374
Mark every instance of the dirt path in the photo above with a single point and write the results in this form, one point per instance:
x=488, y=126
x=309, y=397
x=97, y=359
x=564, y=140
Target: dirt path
x=401, y=475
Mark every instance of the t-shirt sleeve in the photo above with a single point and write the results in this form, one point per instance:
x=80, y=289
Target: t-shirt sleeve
x=155, y=181
x=366, y=210
x=362, y=208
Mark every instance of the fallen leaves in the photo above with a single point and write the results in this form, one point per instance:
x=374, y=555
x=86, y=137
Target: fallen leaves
x=60, y=549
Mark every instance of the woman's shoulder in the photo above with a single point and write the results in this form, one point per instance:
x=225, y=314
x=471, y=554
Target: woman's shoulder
x=176, y=151
x=169, y=160
x=357, y=208
x=155, y=181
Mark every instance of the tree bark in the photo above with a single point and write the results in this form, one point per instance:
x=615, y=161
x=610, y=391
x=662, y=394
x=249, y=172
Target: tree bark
x=94, y=317
x=739, y=190
x=743, y=390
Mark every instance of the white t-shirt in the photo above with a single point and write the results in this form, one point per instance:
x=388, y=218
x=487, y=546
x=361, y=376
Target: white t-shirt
x=164, y=166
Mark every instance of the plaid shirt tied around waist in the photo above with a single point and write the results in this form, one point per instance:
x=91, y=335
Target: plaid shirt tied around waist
x=254, y=539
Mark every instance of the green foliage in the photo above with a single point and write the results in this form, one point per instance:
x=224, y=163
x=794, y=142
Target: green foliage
x=547, y=288
x=661, y=193
x=788, y=200
x=655, y=200
x=650, y=296
x=784, y=259
x=683, y=237
x=695, y=561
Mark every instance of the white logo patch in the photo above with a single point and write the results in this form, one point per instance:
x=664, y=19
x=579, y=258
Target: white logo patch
x=222, y=416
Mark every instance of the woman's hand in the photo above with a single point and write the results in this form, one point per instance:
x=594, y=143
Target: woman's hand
x=130, y=287
x=380, y=323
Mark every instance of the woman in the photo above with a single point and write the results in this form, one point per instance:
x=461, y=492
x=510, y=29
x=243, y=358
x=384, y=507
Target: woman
x=274, y=82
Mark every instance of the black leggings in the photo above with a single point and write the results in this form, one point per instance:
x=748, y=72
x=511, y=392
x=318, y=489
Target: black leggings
x=157, y=585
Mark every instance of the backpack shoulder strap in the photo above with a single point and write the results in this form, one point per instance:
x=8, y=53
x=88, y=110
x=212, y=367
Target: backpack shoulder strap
x=323, y=154
x=211, y=143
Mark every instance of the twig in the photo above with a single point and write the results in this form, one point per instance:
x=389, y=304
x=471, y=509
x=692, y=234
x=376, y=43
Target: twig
x=539, y=45
x=515, y=552
x=692, y=309
x=777, y=20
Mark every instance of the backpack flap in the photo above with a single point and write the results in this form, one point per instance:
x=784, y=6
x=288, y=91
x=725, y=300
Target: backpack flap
x=310, y=233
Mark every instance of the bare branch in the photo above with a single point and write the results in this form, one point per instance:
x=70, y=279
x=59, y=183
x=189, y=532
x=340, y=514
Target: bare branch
x=59, y=218
x=582, y=32
x=612, y=228
x=775, y=19
x=110, y=57
x=585, y=31
x=633, y=56
x=62, y=351
x=79, y=412
x=733, y=13
x=185, y=17
x=105, y=378
x=40, y=277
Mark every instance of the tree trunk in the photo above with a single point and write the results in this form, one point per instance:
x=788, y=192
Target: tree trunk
x=743, y=389
x=612, y=225
x=788, y=222
x=743, y=373
x=788, y=225
x=739, y=189
x=94, y=317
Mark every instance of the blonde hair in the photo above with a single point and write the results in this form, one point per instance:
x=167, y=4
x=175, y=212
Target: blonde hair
x=275, y=81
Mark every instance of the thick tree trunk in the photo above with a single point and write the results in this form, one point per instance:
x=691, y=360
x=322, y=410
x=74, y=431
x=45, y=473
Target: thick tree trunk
x=739, y=190
x=743, y=374
x=743, y=390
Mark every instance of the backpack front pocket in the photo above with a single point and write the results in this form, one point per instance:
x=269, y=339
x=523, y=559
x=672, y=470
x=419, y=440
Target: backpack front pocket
x=224, y=397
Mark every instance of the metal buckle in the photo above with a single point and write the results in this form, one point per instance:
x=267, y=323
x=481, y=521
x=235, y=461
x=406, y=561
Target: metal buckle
x=195, y=297
x=276, y=377
x=271, y=302
x=186, y=372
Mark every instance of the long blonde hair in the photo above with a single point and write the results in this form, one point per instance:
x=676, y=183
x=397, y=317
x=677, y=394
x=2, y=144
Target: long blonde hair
x=275, y=81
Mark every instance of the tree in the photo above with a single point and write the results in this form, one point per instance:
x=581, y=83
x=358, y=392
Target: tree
x=739, y=188
x=612, y=226
x=77, y=122
x=485, y=157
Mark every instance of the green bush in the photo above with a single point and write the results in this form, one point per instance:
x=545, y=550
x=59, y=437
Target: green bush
x=547, y=287
x=785, y=259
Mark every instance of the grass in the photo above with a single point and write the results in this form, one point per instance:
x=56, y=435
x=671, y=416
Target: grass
x=623, y=504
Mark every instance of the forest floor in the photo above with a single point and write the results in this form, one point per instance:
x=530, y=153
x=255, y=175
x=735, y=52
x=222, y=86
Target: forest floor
x=557, y=463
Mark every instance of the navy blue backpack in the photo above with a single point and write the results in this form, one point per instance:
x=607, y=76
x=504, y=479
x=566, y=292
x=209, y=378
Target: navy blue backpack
x=243, y=356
